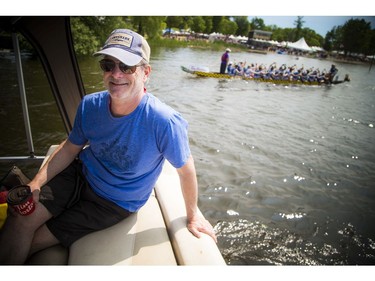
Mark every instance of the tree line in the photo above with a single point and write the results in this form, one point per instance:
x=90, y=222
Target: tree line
x=355, y=36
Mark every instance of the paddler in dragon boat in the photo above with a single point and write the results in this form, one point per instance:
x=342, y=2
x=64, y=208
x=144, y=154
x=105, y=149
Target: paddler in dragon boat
x=236, y=69
x=284, y=72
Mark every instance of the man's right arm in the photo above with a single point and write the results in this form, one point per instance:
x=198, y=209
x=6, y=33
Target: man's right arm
x=58, y=161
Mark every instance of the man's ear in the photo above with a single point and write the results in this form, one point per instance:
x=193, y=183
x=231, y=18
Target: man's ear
x=147, y=71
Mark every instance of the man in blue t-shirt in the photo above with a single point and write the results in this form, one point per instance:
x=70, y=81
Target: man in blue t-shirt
x=122, y=136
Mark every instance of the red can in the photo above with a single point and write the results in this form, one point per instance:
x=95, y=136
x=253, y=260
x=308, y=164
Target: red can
x=20, y=198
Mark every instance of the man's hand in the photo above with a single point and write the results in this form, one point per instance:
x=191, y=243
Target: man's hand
x=196, y=223
x=199, y=225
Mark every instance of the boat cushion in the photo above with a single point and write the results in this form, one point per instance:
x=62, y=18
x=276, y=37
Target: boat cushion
x=139, y=239
x=188, y=249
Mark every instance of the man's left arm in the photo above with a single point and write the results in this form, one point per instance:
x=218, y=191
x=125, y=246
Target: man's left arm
x=196, y=223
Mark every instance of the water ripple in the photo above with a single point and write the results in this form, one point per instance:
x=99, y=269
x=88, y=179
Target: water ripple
x=254, y=242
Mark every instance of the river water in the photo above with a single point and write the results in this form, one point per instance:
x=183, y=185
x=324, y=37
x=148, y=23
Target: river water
x=286, y=173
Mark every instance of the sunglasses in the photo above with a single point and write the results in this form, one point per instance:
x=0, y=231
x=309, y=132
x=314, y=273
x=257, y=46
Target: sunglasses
x=109, y=65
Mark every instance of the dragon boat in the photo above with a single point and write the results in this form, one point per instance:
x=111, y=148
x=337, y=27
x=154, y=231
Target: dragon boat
x=203, y=72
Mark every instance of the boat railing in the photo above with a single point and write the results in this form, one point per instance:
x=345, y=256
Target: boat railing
x=25, y=111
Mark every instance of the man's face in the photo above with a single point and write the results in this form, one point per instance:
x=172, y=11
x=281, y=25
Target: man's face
x=125, y=85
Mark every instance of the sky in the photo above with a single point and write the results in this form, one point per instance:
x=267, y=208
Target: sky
x=320, y=24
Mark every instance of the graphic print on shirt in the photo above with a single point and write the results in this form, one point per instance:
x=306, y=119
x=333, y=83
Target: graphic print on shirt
x=115, y=155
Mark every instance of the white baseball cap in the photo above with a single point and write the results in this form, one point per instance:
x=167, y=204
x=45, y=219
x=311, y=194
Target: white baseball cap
x=127, y=46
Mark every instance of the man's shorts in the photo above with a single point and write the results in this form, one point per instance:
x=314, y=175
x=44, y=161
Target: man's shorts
x=77, y=210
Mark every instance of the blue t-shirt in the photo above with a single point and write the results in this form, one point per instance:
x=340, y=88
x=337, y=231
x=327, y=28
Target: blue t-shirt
x=125, y=155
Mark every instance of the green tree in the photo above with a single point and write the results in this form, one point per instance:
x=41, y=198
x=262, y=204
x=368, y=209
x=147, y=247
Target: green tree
x=372, y=43
x=299, y=24
x=278, y=34
x=102, y=26
x=149, y=26
x=271, y=27
x=216, y=22
x=208, y=24
x=356, y=36
x=329, y=40
x=187, y=22
x=257, y=23
x=89, y=33
x=337, y=38
x=289, y=34
x=311, y=37
x=85, y=40
x=227, y=27
x=174, y=21
x=243, y=25
x=198, y=24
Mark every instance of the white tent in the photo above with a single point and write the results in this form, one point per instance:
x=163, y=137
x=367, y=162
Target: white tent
x=317, y=49
x=300, y=45
x=216, y=36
